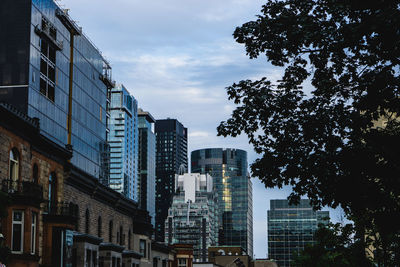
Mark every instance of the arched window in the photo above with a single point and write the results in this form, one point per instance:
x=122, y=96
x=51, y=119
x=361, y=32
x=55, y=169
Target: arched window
x=35, y=173
x=110, y=231
x=52, y=191
x=87, y=217
x=14, y=165
x=99, y=227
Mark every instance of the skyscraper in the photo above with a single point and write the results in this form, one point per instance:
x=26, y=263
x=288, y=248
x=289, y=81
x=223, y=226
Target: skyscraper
x=291, y=228
x=193, y=215
x=147, y=164
x=228, y=167
x=123, y=140
x=171, y=147
x=50, y=70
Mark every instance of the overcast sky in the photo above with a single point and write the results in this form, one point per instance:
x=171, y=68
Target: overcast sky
x=176, y=57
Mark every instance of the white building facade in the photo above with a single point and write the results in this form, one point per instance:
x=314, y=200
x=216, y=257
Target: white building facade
x=193, y=216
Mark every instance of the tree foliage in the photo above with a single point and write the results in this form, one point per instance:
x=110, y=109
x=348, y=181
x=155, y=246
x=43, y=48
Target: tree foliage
x=337, y=140
x=334, y=247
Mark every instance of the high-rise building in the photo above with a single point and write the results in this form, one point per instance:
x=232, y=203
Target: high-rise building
x=228, y=167
x=50, y=70
x=147, y=164
x=193, y=216
x=123, y=140
x=291, y=228
x=171, y=156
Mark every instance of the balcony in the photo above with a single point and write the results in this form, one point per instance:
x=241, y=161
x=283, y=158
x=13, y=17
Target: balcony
x=61, y=212
x=23, y=192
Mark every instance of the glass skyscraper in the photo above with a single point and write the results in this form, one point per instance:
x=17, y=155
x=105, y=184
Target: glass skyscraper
x=147, y=164
x=291, y=228
x=228, y=167
x=171, y=147
x=123, y=140
x=193, y=216
x=50, y=70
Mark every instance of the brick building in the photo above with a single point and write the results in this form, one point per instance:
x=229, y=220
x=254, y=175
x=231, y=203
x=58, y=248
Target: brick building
x=32, y=178
x=57, y=214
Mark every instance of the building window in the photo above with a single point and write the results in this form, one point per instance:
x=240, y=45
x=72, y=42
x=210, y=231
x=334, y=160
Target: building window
x=33, y=232
x=87, y=217
x=142, y=247
x=99, y=226
x=52, y=191
x=110, y=231
x=121, y=236
x=129, y=239
x=181, y=262
x=88, y=257
x=48, y=62
x=35, y=173
x=17, y=231
x=14, y=165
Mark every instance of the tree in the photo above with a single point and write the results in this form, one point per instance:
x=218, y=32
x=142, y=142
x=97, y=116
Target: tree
x=338, y=143
x=334, y=247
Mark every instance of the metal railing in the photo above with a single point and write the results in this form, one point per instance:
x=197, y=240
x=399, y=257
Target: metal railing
x=61, y=209
x=22, y=188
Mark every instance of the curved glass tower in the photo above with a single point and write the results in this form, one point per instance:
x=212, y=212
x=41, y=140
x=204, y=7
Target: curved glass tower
x=228, y=167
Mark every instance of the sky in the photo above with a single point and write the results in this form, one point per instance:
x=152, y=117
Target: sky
x=176, y=57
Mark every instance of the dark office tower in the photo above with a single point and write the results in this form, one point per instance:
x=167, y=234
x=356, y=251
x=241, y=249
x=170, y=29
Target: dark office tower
x=50, y=70
x=228, y=167
x=147, y=164
x=171, y=156
x=291, y=228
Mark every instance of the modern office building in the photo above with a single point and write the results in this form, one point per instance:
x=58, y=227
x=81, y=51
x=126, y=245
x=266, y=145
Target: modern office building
x=147, y=164
x=123, y=140
x=291, y=228
x=171, y=155
x=228, y=167
x=193, y=216
x=50, y=70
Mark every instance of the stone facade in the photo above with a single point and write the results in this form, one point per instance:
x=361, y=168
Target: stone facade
x=27, y=189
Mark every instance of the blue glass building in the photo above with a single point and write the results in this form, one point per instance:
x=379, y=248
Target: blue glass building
x=50, y=70
x=228, y=167
x=123, y=140
x=147, y=164
x=291, y=228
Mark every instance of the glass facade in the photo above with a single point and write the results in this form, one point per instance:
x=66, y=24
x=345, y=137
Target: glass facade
x=171, y=149
x=228, y=167
x=123, y=140
x=193, y=215
x=42, y=79
x=147, y=164
x=291, y=228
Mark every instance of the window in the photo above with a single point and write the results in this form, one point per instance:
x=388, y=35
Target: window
x=87, y=217
x=99, y=227
x=48, y=62
x=52, y=191
x=142, y=247
x=110, y=231
x=33, y=233
x=121, y=237
x=35, y=173
x=17, y=231
x=181, y=262
x=129, y=239
x=88, y=258
x=14, y=165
